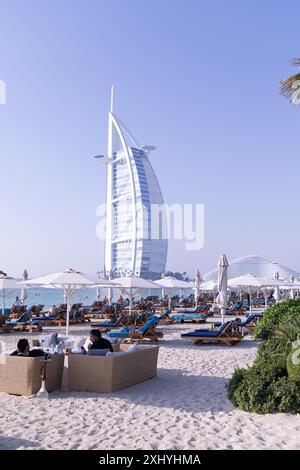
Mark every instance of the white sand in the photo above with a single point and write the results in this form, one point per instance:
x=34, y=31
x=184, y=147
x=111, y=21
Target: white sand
x=185, y=407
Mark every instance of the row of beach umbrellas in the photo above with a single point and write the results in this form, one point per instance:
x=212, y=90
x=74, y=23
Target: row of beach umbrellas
x=71, y=280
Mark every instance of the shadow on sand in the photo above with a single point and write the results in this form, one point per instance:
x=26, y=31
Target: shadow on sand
x=14, y=443
x=172, y=388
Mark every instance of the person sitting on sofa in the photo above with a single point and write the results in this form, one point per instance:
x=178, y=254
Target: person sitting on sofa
x=98, y=342
x=23, y=349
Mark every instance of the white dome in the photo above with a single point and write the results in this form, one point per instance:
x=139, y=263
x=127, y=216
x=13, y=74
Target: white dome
x=254, y=265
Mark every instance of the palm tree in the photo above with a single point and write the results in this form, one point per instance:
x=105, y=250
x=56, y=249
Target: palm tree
x=290, y=86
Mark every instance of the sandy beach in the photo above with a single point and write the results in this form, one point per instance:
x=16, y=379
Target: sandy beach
x=184, y=407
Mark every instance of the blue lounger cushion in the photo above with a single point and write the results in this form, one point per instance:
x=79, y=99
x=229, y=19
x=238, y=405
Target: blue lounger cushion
x=149, y=324
x=188, y=316
x=24, y=323
x=122, y=333
x=207, y=333
x=202, y=334
x=50, y=318
x=110, y=324
x=106, y=325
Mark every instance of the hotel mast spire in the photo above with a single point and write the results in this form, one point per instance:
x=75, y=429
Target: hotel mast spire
x=112, y=99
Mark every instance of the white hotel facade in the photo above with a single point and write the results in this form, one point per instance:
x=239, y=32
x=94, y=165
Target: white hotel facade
x=132, y=187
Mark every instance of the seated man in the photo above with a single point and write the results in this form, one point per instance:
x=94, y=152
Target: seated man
x=98, y=342
x=23, y=349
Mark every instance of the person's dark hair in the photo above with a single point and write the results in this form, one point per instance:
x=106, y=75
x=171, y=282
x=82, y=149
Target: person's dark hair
x=96, y=333
x=22, y=345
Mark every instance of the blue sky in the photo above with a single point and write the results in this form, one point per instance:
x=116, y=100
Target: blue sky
x=198, y=79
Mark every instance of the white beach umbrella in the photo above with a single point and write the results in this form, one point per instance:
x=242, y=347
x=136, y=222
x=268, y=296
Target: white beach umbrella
x=173, y=283
x=131, y=284
x=24, y=289
x=249, y=281
x=222, y=285
x=276, y=290
x=292, y=279
x=267, y=283
x=98, y=290
x=208, y=286
x=69, y=281
x=7, y=285
x=292, y=288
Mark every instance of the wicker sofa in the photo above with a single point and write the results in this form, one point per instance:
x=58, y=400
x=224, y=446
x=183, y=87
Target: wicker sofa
x=111, y=373
x=21, y=375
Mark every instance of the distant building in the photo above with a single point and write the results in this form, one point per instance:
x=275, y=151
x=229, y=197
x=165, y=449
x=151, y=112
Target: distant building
x=132, y=187
x=254, y=265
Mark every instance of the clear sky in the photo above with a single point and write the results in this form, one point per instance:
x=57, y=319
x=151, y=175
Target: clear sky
x=198, y=79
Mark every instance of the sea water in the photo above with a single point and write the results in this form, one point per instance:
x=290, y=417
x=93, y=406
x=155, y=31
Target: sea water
x=49, y=297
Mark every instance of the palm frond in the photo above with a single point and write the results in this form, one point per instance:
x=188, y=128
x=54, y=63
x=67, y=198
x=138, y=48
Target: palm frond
x=290, y=86
x=289, y=330
x=295, y=62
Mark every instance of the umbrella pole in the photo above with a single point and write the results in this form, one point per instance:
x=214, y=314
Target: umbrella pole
x=169, y=302
x=68, y=299
x=250, y=300
x=98, y=294
x=130, y=301
x=3, y=302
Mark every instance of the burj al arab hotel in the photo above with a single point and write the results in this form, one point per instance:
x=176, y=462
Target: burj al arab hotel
x=132, y=189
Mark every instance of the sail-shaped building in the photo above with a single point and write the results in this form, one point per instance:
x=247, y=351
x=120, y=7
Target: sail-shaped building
x=132, y=188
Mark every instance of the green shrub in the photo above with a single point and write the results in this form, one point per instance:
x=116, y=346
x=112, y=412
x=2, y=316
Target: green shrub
x=286, y=393
x=272, y=384
x=288, y=329
x=293, y=367
x=273, y=350
x=274, y=315
x=235, y=381
x=262, y=389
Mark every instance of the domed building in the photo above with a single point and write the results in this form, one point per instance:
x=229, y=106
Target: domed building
x=254, y=265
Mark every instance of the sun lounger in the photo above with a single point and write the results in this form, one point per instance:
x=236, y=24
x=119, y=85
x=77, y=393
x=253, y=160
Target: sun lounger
x=192, y=317
x=164, y=317
x=28, y=326
x=228, y=334
x=106, y=326
x=23, y=317
x=93, y=313
x=36, y=310
x=147, y=331
x=198, y=309
x=15, y=312
x=3, y=319
x=236, y=309
x=248, y=322
x=24, y=322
